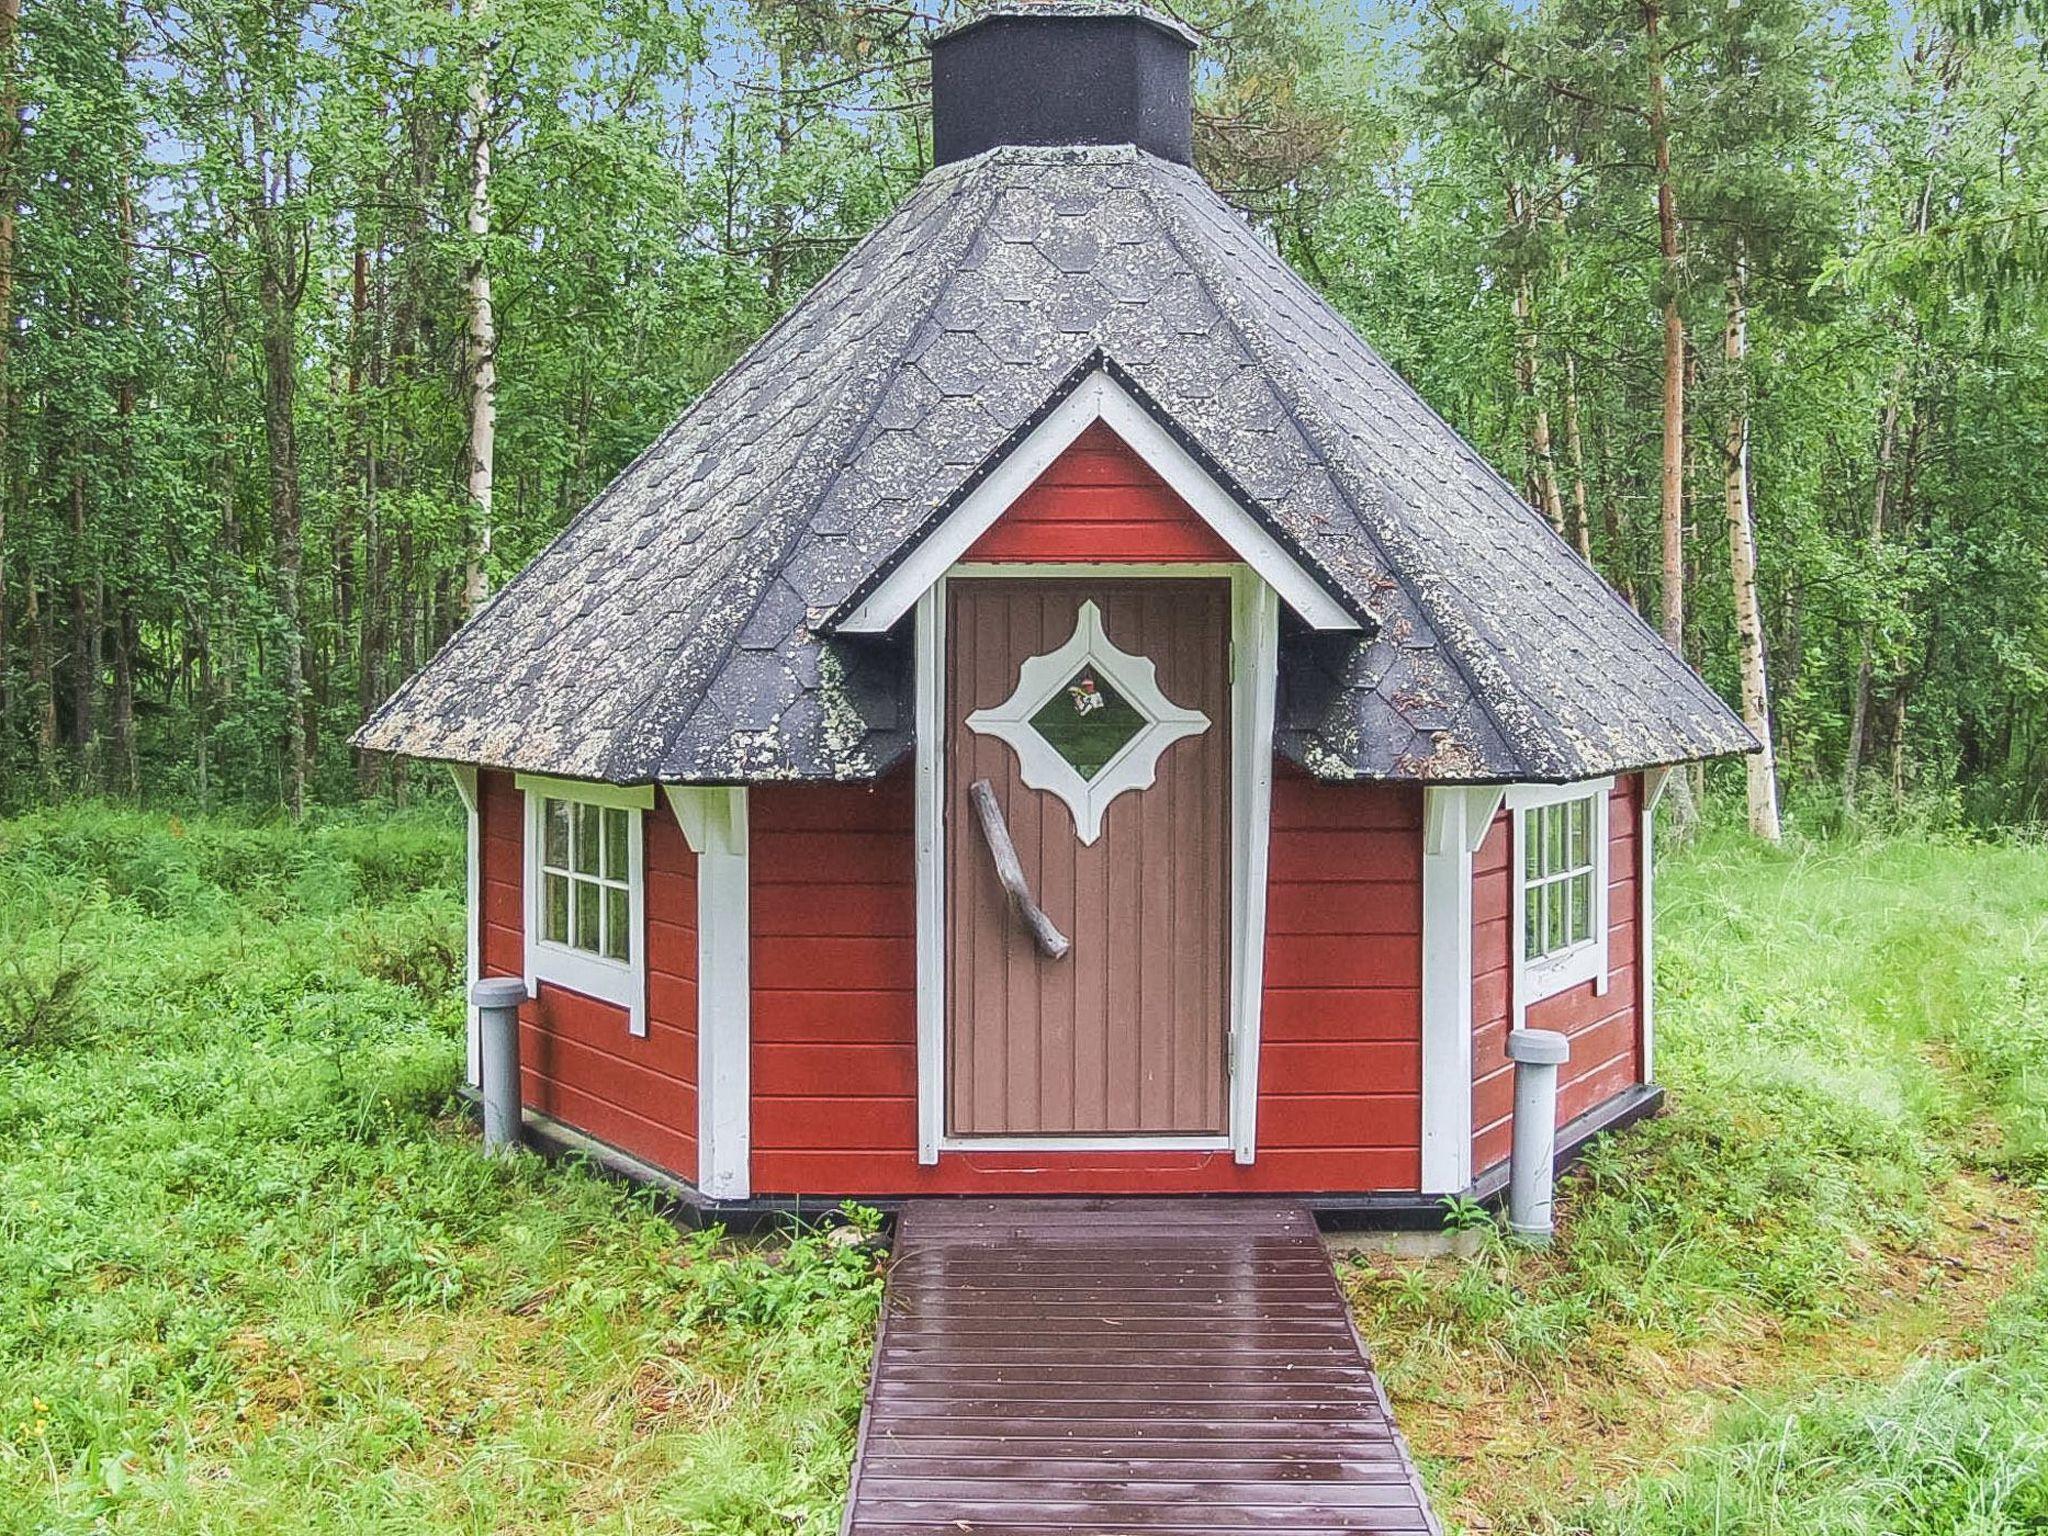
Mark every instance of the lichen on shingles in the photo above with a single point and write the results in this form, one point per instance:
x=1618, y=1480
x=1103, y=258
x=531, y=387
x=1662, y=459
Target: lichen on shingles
x=678, y=629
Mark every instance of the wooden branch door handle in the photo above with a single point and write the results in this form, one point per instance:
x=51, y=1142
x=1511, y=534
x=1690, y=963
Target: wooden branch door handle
x=996, y=833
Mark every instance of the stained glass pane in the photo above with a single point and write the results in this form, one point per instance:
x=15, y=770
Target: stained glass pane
x=588, y=914
x=614, y=845
x=555, y=909
x=555, y=849
x=617, y=926
x=1087, y=722
x=587, y=817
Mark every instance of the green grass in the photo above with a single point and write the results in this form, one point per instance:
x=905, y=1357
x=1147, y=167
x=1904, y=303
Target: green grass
x=1854, y=1038
x=255, y=1275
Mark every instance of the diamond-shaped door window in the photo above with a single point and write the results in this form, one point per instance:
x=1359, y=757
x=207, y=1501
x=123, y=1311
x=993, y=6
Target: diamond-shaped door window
x=1088, y=722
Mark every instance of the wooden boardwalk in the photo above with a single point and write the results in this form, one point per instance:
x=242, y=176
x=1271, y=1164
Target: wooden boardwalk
x=1165, y=1367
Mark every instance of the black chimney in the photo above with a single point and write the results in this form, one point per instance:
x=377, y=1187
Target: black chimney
x=1062, y=72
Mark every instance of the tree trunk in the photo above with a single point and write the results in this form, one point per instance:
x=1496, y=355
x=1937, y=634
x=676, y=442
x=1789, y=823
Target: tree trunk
x=1543, y=465
x=1873, y=544
x=1582, y=527
x=278, y=300
x=1761, y=766
x=10, y=141
x=1620, y=557
x=85, y=637
x=370, y=610
x=42, y=685
x=1671, y=511
x=483, y=333
x=1671, y=515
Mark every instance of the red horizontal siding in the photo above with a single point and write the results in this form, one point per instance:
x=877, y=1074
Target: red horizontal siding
x=1603, y=1027
x=579, y=1060
x=835, y=1013
x=1100, y=501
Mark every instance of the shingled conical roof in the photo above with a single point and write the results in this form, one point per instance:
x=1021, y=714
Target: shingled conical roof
x=681, y=627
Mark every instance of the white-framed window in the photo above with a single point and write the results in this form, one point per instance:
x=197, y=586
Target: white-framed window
x=585, y=896
x=1560, y=887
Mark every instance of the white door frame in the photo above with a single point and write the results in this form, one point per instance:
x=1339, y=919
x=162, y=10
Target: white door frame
x=1254, y=654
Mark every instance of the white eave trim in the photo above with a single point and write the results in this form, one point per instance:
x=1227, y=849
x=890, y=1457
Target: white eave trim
x=1098, y=397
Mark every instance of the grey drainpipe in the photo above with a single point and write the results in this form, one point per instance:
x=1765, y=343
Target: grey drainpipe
x=1537, y=1054
x=497, y=1000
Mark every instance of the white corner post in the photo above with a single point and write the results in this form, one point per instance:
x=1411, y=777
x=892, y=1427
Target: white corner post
x=1255, y=670
x=1654, y=781
x=931, y=883
x=714, y=823
x=466, y=786
x=1537, y=1054
x=1455, y=819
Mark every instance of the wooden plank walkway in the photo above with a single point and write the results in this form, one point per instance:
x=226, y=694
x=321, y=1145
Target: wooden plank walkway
x=1164, y=1367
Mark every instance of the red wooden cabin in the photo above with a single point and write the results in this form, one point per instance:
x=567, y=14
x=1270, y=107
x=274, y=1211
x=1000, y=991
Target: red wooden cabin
x=1312, y=760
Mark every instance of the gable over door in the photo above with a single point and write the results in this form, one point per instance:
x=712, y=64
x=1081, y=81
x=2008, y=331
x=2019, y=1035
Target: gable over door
x=1127, y=1034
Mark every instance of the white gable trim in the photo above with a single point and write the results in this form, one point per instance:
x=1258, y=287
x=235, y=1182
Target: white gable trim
x=1097, y=398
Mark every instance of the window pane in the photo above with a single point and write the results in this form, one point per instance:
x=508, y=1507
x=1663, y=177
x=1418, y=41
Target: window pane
x=555, y=847
x=1582, y=833
x=587, y=818
x=555, y=908
x=1532, y=923
x=1555, y=827
x=1532, y=845
x=1580, y=928
x=1554, y=917
x=615, y=845
x=617, y=929
x=589, y=914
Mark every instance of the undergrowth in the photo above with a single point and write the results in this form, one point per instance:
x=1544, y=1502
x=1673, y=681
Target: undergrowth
x=255, y=1276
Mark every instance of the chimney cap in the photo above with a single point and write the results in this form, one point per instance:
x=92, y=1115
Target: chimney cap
x=1062, y=72
x=1068, y=10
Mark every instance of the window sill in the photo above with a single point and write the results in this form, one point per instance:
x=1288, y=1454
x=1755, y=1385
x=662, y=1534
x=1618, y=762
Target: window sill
x=604, y=981
x=1555, y=974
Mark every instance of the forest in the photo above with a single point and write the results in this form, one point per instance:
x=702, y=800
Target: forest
x=321, y=319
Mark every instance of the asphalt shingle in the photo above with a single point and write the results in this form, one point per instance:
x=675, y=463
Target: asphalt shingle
x=680, y=628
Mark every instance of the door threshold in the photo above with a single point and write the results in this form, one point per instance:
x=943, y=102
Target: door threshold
x=1197, y=1142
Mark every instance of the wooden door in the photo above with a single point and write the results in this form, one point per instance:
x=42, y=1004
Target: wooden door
x=1127, y=1034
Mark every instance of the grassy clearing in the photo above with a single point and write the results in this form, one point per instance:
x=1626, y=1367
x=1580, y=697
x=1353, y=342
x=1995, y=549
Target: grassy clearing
x=1808, y=1298
x=253, y=1278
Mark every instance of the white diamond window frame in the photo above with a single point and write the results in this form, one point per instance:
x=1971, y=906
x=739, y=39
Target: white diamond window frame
x=1135, y=765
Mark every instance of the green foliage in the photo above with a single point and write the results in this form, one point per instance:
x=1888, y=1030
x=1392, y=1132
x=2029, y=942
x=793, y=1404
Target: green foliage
x=1843, y=1025
x=237, y=426
x=254, y=1276
x=1956, y=1448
